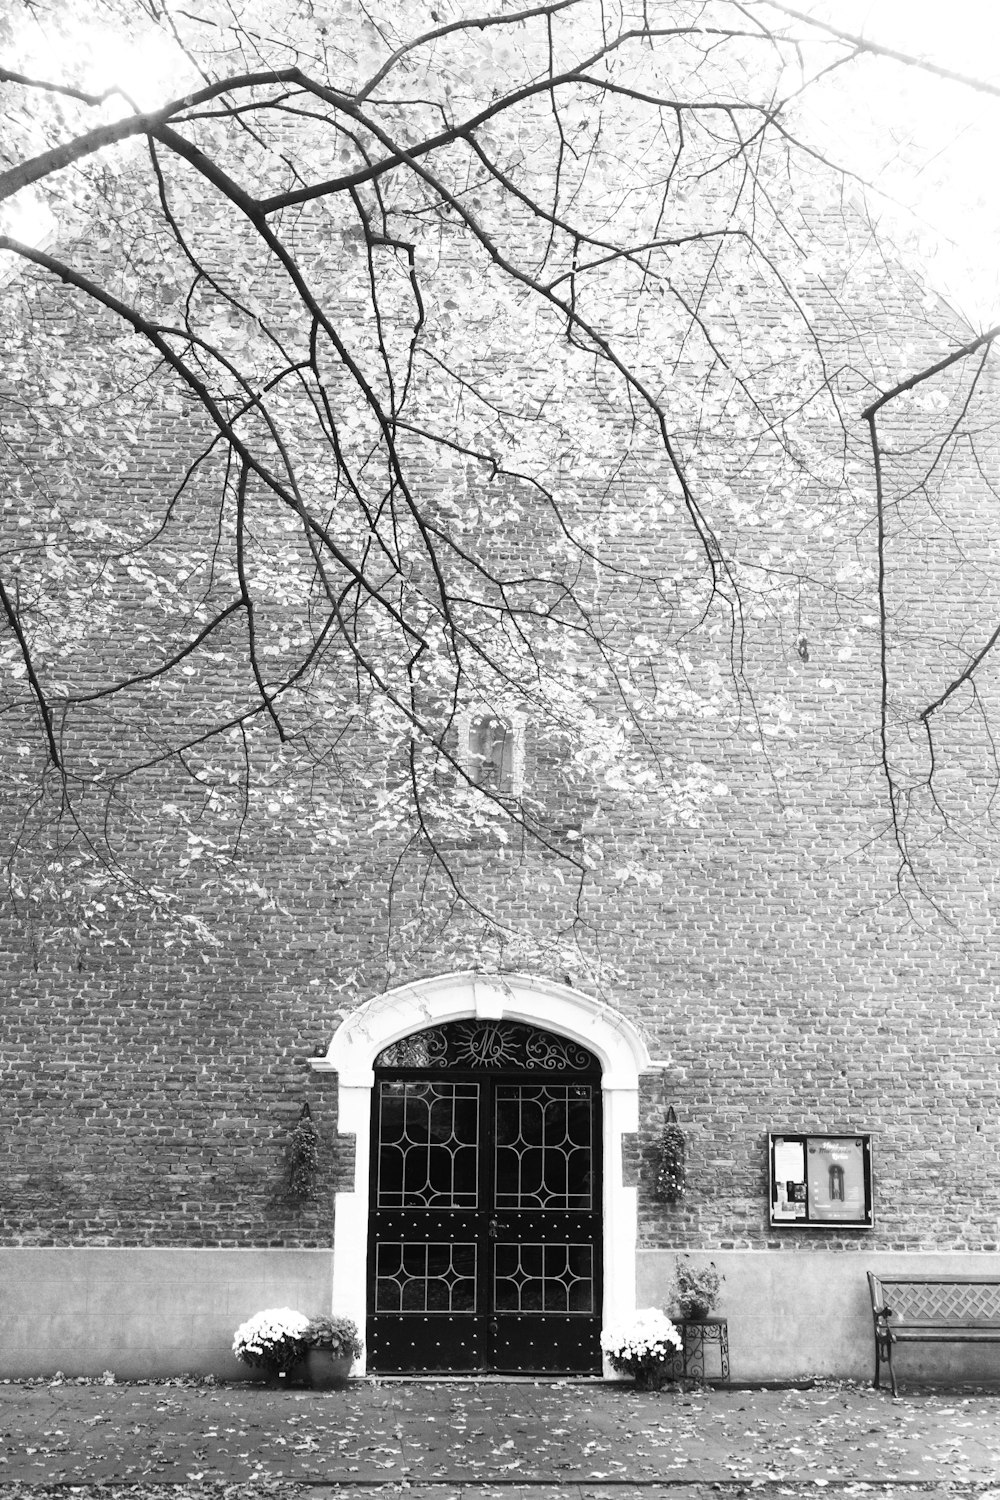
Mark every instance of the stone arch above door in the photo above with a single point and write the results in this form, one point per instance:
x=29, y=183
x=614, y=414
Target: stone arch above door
x=413, y=1007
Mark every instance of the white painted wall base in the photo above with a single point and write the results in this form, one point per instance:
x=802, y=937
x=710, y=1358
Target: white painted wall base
x=795, y=1313
x=144, y=1312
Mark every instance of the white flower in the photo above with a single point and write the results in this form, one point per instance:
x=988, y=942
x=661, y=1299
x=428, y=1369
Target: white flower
x=647, y=1335
x=270, y=1337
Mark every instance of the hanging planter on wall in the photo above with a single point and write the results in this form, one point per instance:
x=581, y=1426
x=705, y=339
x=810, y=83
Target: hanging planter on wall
x=671, y=1178
x=303, y=1157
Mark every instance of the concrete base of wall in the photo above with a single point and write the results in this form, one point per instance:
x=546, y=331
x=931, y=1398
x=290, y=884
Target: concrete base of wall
x=797, y=1313
x=144, y=1312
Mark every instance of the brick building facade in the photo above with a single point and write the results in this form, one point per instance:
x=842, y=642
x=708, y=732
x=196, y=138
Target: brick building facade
x=750, y=965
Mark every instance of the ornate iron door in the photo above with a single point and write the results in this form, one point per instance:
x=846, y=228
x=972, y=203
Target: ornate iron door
x=485, y=1237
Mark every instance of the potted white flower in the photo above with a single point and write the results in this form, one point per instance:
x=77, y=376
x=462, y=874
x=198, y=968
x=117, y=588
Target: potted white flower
x=644, y=1346
x=332, y=1345
x=273, y=1340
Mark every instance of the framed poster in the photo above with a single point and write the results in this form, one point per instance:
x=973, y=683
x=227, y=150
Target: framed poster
x=820, y=1180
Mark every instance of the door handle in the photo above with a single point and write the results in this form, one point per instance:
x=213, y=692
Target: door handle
x=494, y=1229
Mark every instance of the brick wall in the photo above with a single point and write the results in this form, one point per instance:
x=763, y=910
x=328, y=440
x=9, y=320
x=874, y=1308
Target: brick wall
x=152, y=1069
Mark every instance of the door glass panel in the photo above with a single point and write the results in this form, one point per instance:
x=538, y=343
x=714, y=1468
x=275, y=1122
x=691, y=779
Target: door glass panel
x=549, y=1278
x=428, y=1146
x=425, y=1278
x=544, y=1150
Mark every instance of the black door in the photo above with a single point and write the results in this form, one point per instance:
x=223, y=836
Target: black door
x=486, y=1206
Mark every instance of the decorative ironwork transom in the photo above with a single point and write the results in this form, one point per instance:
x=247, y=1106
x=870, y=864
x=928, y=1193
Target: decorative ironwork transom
x=488, y=1044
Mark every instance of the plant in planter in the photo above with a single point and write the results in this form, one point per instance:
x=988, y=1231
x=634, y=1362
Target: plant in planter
x=644, y=1347
x=671, y=1174
x=273, y=1340
x=332, y=1345
x=303, y=1157
x=695, y=1289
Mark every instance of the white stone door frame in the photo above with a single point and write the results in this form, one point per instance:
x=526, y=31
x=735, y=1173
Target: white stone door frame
x=512, y=997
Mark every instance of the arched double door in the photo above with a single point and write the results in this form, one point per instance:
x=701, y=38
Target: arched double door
x=486, y=1212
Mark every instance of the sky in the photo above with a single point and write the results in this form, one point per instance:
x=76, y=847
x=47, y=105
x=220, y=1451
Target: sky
x=930, y=145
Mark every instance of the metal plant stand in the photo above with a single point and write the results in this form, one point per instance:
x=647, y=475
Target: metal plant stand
x=697, y=1334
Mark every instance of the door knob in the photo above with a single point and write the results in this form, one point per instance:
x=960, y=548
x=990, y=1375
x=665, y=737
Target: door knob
x=494, y=1229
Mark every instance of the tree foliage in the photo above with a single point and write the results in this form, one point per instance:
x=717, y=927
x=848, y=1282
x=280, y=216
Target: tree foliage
x=389, y=365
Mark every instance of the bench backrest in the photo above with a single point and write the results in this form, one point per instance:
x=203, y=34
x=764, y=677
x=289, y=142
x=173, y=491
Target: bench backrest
x=937, y=1299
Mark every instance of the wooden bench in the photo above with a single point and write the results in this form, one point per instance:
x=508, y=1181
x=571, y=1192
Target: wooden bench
x=932, y=1310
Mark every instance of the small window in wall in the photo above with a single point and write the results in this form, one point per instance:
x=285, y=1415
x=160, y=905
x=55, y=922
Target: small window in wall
x=821, y=1180
x=494, y=751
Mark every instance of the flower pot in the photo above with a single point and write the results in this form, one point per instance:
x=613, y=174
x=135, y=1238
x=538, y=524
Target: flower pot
x=695, y=1312
x=327, y=1369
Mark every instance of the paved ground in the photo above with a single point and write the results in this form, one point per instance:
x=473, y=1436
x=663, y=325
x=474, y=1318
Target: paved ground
x=504, y=1441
